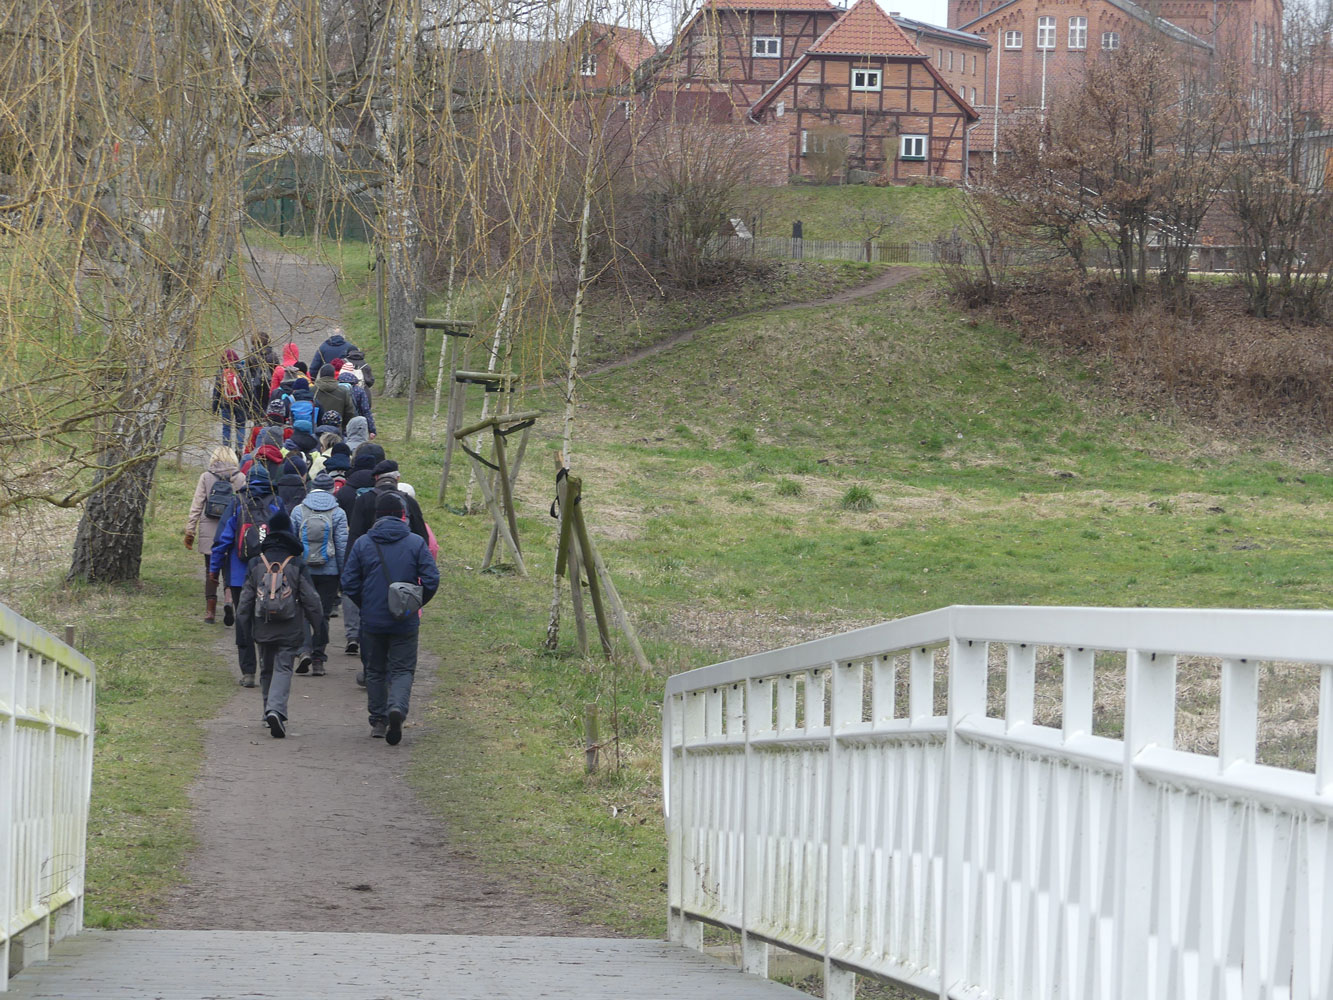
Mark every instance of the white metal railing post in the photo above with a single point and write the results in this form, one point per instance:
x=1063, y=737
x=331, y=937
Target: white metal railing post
x=1150, y=721
x=846, y=684
x=1077, y=692
x=1324, y=741
x=687, y=930
x=9, y=666
x=967, y=697
x=758, y=722
x=1238, y=723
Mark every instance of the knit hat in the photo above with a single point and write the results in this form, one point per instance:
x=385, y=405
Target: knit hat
x=322, y=482
x=338, y=365
x=386, y=468
x=295, y=463
x=348, y=378
x=300, y=366
x=341, y=448
x=259, y=473
x=326, y=371
x=390, y=504
x=280, y=522
x=302, y=425
x=366, y=462
x=230, y=355
x=330, y=418
x=337, y=462
x=356, y=354
x=276, y=410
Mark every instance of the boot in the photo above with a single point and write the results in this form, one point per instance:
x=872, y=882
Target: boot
x=211, y=609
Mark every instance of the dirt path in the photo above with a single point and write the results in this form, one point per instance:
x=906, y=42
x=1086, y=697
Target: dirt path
x=893, y=276
x=320, y=831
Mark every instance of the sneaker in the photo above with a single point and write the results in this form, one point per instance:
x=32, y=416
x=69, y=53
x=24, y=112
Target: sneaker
x=394, y=734
x=334, y=612
x=228, y=615
x=377, y=730
x=317, y=668
x=247, y=680
x=303, y=663
x=276, y=725
x=360, y=678
x=351, y=649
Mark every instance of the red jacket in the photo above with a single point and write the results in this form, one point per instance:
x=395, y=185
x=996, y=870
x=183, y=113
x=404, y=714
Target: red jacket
x=290, y=355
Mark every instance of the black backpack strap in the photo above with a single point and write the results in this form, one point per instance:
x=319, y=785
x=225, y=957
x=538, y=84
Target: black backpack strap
x=383, y=568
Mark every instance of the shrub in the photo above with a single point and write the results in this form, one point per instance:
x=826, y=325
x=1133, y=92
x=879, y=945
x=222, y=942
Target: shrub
x=789, y=488
x=857, y=498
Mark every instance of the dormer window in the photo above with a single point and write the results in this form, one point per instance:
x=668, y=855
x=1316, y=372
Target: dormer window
x=588, y=64
x=766, y=47
x=867, y=79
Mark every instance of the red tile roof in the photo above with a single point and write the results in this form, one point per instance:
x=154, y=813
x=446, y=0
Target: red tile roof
x=773, y=4
x=630, y=45
x=865, y=30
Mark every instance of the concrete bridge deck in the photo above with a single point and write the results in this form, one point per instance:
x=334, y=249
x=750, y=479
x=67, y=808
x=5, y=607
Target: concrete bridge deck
x=274, y=965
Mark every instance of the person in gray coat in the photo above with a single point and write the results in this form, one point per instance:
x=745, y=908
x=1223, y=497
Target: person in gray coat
x=278, y=640
x=321, y=527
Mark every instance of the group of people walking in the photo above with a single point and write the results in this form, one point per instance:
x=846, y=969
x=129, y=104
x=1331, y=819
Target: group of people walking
x=309, y=520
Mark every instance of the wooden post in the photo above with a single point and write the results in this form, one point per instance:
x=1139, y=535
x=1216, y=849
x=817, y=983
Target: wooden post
x=617, y=607
x=513, y=481
x=69, y=635
x=594, y=589
x=576, y=597
x=498, y=516
x=506, y=488
x=590, y=737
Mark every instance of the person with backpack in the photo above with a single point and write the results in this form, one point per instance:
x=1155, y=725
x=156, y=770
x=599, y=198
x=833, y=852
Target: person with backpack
x=240, y=533
x=212, y=496
x=302, y=438
x=360, y=480
x=277, y=601
x=363, y=515
x=301, y=402
x=331, y=396
x=259, y=368
x=390, y=576
x=360, y=400
x=336, y=346
x=291, y=482
x=356, y=364
x=229, y=397
x=321, y=527
x=291, y=354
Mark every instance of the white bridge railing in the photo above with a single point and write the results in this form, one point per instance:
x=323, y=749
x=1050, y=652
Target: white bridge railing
x=46, y=750
x=811, y=805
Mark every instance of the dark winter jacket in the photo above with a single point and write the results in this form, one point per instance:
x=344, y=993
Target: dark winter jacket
x=292, y=490
x=330, y=395
x=303, y=442
x=360, y=400
x=277, y=547
x=336, y=346
x=406, y=559
x=363, y=510
x=224, y=561
x=323, y=502
x=346, y=495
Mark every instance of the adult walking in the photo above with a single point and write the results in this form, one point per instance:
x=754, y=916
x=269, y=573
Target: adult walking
x=238, y=540
x=230, y=401
x=336, y=346
x=277, y=601
x=381, y=562
x=212, y=496
x=331, y=396
x=321, y=527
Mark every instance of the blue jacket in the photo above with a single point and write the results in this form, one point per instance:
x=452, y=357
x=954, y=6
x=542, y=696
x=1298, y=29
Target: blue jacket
x=224, y=557
x=323, y=501
x=406, y=559
x=336, y=346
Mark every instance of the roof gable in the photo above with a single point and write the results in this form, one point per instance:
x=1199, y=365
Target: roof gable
x=797, y=5
x=865, y=30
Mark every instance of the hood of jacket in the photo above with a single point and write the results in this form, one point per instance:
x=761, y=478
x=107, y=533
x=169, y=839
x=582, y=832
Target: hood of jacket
x=223, y=470
x=337, y=340
x=320, y=500
x=358, y=432
x=284, y=542
x=328, y=384
x=389, y=529
x=290, y=355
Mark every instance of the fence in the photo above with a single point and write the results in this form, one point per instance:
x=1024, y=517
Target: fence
x=1202, y=258
x=828, y=799
x=46, y=746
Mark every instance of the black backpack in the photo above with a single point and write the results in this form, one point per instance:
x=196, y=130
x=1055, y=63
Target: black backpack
x=219, y=497
x=252, y=527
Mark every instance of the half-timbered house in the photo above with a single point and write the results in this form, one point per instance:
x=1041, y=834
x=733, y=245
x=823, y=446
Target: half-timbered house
x=864, y=94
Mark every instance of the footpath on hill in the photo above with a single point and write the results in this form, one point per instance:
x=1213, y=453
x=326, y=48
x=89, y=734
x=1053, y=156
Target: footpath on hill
x=320, y=831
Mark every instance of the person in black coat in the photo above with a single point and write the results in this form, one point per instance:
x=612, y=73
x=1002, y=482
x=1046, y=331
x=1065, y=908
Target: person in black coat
x=362, y=517
x=361, y=478
x=336, y=346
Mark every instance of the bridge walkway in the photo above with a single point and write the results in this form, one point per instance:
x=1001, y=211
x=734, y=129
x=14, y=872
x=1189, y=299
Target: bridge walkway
x=278, y=965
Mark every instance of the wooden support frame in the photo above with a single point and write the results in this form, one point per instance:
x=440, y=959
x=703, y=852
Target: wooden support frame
x=499, y=496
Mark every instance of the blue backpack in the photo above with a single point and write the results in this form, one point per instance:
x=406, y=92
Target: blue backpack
x=303, y=409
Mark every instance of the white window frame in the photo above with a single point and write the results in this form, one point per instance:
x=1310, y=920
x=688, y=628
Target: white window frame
x=973, y=102
x=866, y=85
x=1013, y=39
x=1110, y=41
x=1046, y=32
x=1078, y=32
x=913, y=147
x=766, y=47
x=627, y=108
x=588, y=64
x=817, y=146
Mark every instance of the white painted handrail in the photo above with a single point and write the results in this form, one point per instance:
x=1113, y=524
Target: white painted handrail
x=46, y=751
x=964, y=855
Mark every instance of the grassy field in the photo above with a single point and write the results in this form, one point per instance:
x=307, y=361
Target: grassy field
x=791, y=475
x=842, y=213
x=780, y=477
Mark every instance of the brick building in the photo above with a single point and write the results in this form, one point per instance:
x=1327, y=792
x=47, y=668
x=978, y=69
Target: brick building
x=961, y=57
x=598, y=56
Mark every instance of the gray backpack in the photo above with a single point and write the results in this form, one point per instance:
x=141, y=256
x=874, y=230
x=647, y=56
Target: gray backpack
x=317, y=536
x=404, y=598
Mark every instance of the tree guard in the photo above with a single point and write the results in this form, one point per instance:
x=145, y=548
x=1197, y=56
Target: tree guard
x=499, y=498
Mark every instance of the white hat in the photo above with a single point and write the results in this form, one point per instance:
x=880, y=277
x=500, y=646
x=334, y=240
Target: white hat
x=408, y=489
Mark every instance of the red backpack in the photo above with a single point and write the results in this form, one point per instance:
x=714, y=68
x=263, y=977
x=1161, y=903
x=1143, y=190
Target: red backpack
x=231, y=384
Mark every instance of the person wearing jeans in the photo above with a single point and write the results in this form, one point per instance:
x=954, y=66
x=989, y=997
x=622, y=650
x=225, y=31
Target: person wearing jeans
x=388, y=553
